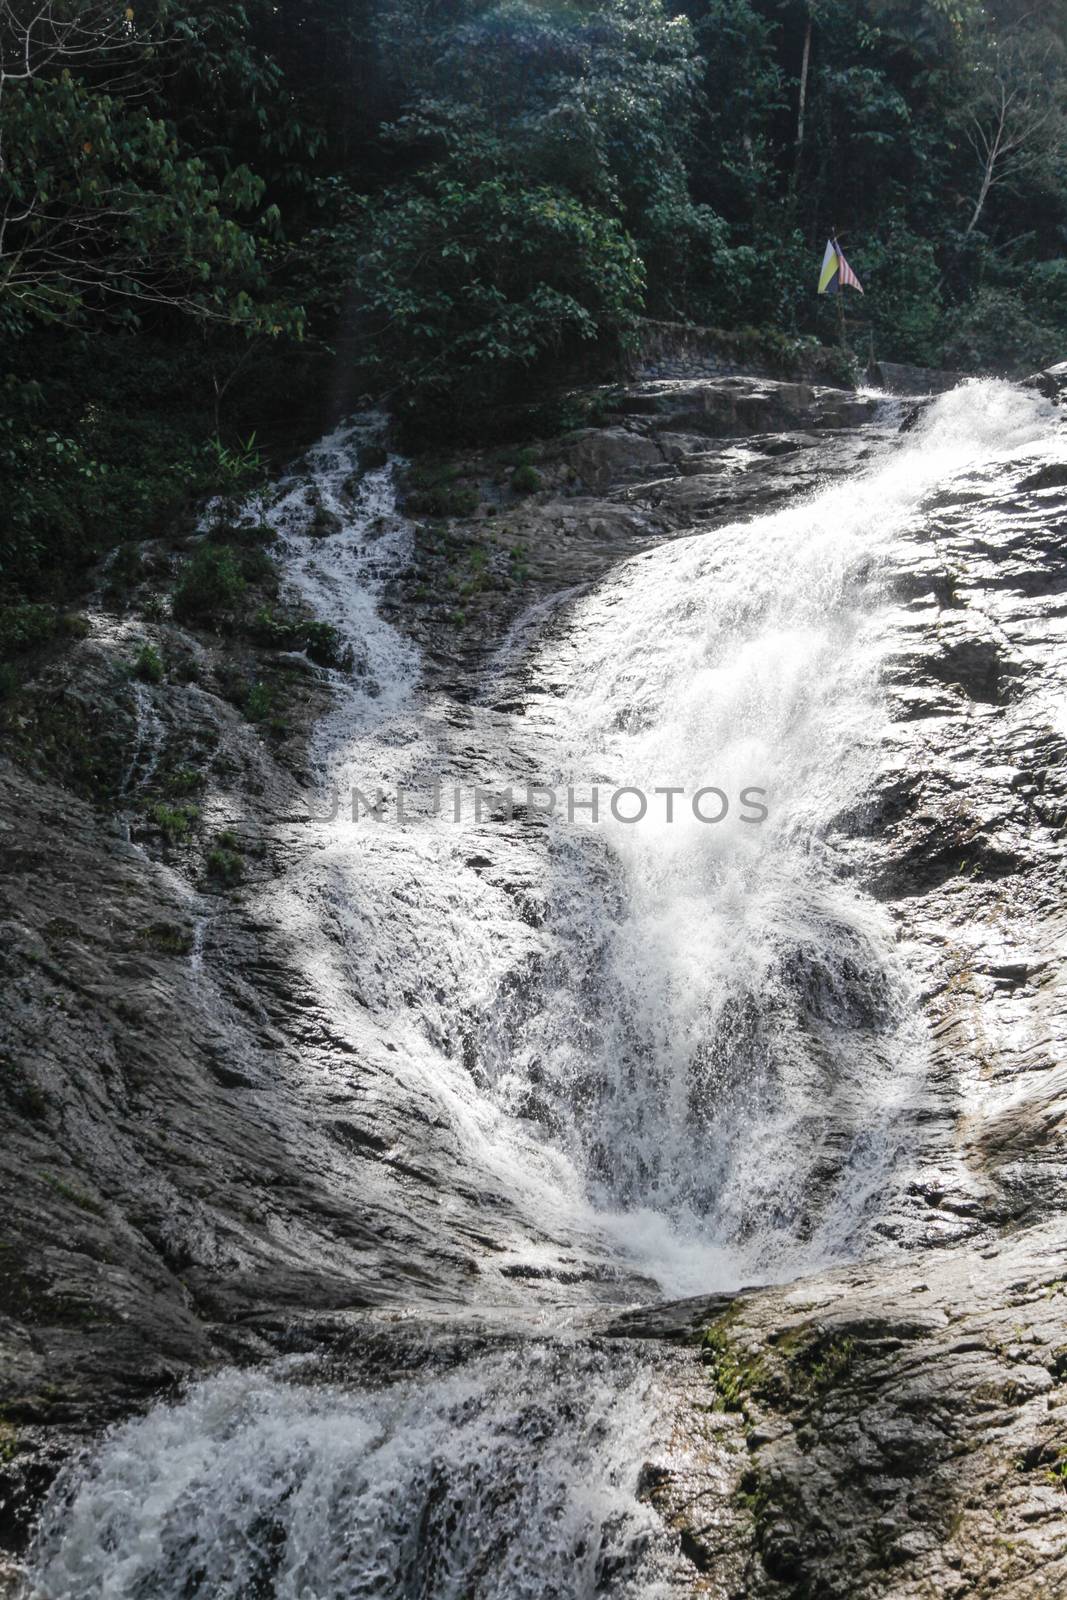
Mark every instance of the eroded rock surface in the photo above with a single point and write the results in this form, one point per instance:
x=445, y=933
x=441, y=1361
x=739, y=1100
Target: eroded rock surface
x=899, y=1432
x=200, y=1151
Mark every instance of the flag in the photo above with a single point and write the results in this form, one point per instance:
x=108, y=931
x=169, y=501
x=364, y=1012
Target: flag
x=831, y=267
x=847, y=276
x=836, y=273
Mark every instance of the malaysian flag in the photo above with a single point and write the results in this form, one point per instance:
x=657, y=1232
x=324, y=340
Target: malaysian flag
x=836, y=273
x=849, y=279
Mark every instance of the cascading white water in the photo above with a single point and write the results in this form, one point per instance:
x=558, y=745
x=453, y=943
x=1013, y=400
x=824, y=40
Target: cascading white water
x=679, y=1046
x=725, y=1032
x=513, y=1477
x=344, y=538
x=699, y=1049
x=405, y=945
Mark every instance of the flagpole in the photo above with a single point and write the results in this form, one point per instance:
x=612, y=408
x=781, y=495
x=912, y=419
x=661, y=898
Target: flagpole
x=840, y=295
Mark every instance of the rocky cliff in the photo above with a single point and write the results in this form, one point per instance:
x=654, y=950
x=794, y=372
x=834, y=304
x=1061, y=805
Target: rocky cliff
x=207, y=1159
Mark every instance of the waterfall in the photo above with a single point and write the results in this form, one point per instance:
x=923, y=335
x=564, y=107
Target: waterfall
x=682, y=1051
x=513, y=1477
x=725, y=1034
x=684, y=1045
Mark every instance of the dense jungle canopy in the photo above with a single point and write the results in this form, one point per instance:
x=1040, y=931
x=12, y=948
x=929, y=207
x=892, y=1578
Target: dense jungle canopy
x=215, y=216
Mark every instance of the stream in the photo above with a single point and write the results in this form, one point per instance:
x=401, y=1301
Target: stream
x=670, y=1048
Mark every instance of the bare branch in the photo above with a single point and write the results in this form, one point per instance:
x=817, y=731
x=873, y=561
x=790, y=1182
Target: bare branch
x=1013, y=122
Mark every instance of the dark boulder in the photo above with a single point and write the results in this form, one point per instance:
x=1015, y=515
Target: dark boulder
x=901, y=378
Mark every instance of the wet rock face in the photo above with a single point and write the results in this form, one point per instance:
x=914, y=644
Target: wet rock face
x=739, y=405
x=665, y=456
x=969, y=834
x=860, y=1434
x=900, y=378
x=197, y=1152
x=1052, y=382
x=899, y=1430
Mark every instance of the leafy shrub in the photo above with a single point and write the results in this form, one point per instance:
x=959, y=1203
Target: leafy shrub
x=276, y=633
x=320, y=640
x=24, y=627
x=210, y=586
x=441, y=500
x=74, y=625
x=467, y=287
x=63, y=739
x=1046, y=291
x=259, y=702
x=174, y=822
x=182, y=780
x=432, y=491
x=223, y=864
x=907, y=312
x=257, y=567
x=148, y=665
x=998, y=331
x=525, y=479
x=692, y=265
x=323, y=645
x=235, y=467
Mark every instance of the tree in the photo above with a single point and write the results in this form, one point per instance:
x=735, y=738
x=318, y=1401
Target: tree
x=1016, y=119
x=102, y=208
x=467, y=288
x=802, y=92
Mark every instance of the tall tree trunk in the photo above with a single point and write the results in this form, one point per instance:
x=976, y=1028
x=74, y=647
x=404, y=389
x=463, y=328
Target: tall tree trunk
x=994, y=146
x=983, y=194
x=802, y=99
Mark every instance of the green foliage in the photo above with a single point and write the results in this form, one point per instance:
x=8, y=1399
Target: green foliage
x=210, y=587
x=175, y=822
x=102, y=440
x=320, y=640
x=433, y=493
x=907, y=312
x=60, y=737
x=259, y=702
x=235, y=467
x=277, y=633
x=472, y=205
x=24, y=627
x=148, y=665
x=468, y=287
x=734, y=1377
x=112, y=209
x=819, y=1363
x=525, y=479
x=182, y=780
x=1003, y=329
x=223, y=865
x=129, y=207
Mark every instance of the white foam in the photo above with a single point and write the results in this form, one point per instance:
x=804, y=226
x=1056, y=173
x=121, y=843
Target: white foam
x=511, y=1478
